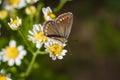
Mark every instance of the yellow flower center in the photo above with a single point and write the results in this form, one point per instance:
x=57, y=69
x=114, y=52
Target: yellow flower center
x=40, y=36
x=12, y=52
x=2, y=77
x=16, y=22
x=56, y=49
x=31, y=10
x=3, y=14
x=51, y=15
x=14, y=2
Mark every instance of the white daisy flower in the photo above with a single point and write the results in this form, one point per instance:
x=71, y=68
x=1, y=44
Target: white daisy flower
x=3, y=75
x=48, y=14
x=15, y=24
x=11, y=4
x=55, y=49
x=36, y=35
x=3, y=14
x=13, y=54
x=31, y=1
x=30, y=10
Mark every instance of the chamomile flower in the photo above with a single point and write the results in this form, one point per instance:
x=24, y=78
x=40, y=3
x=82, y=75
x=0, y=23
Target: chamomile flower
x=15, y=24
x=48, y=14
x=11, y=4
x=36, y=35
x=13, y=54
x=3, y=14
x=31, y=1
x=30, y=10
x=4, y=76
x=55, y=49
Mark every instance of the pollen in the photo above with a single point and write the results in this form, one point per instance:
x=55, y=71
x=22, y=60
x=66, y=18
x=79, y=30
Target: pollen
x=12, y=52
x=14, y=2
x=40, y=36
x=2, y=77
x=56, y=49
x=52, y=15
x=16, y=22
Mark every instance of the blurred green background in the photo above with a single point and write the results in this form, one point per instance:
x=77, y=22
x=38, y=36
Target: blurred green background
x=93, y=46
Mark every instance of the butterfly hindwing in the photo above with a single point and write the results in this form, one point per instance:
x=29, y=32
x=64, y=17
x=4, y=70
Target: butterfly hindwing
x=50, y=29
x=64, y=24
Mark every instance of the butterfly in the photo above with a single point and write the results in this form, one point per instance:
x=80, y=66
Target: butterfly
x=60, y=28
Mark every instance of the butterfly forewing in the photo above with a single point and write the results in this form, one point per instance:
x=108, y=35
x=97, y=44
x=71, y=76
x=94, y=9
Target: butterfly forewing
x=64, y=24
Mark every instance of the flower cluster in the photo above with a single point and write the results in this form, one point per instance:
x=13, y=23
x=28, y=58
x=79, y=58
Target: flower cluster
x=20, y=23
x=12, y=4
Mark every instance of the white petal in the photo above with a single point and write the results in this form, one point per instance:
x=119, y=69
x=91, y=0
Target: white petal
x=21, y=4
x=31, y=38
x=18, y=62
x=1, y=53
x=64, y=45
x=60, y=57
x=20, y=56
x=39, y=45
x=37, y=28
x=30, y=32
x=4, y=59
x=44, y=11
x=47, y=45
x=50, y=55
x=11, y=62
x=34, y=30
x=8, y=78
x=2, y=71
x=23, y=52
x=20, y=47
x=53, y=57
x=12, y=43
x=63, y=52
x=49, y=9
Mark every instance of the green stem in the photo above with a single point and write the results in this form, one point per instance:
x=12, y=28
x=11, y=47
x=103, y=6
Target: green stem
x=31, y=21
x=19, y=31
x=31, y=64
x=62, y=3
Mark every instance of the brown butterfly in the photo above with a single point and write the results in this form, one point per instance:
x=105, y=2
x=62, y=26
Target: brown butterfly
x=59, y=29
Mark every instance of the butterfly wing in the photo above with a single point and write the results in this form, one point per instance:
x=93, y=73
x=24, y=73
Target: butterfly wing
x=50, y=29
x=64, y=23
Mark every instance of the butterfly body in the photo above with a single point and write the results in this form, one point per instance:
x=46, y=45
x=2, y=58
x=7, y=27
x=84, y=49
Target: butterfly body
x=59, y=28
